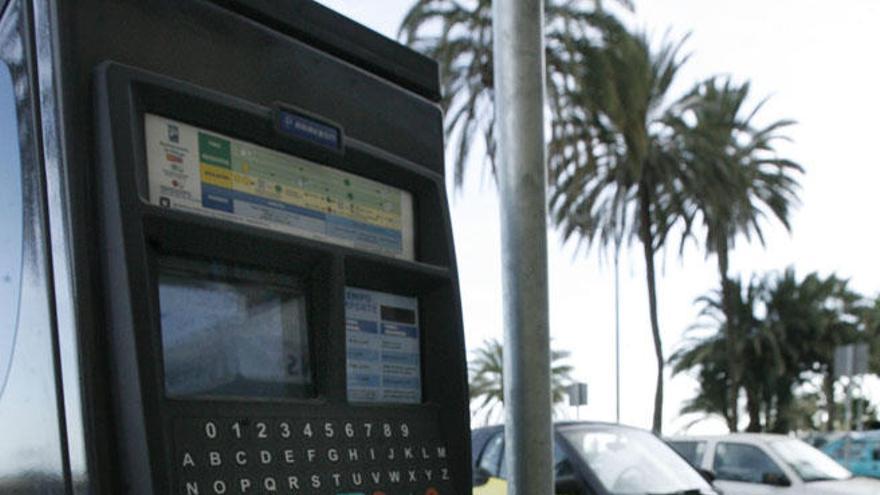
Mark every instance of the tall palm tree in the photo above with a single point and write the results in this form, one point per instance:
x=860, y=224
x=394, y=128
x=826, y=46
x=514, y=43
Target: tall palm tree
x=615, y=169
x=458, y=35
x=735, y=180
x=487, y=377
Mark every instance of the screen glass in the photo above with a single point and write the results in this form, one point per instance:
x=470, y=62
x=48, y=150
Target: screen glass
x=205, y=172
x=231, y=332
x=383, y=347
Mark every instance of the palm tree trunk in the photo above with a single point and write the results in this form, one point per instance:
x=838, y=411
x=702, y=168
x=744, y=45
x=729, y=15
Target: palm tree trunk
x=648, y=245
x=734, y=367
x=753, y=404
x=784, y=418
x=829, y=396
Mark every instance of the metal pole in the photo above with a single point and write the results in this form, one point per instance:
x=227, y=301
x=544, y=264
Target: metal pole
x=850, y=358
x=519, y=103
x=860, y=425
x=847, y=416
x=617, y=328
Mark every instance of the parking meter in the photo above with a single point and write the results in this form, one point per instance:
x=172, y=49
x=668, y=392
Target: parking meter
x=256, y=289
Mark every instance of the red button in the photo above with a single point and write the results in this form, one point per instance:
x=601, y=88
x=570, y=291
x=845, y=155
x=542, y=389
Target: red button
x=431, y=491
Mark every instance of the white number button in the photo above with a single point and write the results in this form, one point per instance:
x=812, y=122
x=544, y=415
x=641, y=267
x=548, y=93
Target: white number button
x=285, y=430
x=261, y=430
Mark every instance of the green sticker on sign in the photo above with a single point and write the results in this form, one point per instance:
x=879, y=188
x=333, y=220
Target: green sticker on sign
x=214, y=151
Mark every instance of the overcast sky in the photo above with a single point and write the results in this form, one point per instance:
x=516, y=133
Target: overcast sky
x=818, y=62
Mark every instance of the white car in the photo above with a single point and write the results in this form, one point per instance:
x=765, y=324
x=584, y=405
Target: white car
x=765, y=464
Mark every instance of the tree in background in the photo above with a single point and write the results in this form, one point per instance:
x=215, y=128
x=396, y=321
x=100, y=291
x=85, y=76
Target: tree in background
x=458, y=35
x=815, y=315
x=625, y=162
x=708, y=357
x=734, y=180
x=487, y=378
x=789, y=329
x=615, y=171
x=758, y=347
x=869, y=323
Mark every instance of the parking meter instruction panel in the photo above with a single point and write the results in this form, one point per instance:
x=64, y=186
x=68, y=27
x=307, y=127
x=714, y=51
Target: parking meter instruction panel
x=193, y=169
x=283, y=333
x=383, y=352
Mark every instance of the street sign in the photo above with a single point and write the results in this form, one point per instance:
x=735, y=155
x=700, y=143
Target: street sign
x=851, y=360
x=577, y=394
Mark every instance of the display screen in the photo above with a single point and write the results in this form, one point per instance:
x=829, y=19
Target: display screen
x=230, y=332
x=383, y=347
x=197, y=170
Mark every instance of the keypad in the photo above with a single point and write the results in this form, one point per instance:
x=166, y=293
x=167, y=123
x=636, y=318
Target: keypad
x=244, y=456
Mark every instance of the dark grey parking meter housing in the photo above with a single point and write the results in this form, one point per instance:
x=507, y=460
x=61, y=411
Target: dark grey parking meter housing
x=254, y=275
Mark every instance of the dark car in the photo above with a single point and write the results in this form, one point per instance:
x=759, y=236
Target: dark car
x=594, y=459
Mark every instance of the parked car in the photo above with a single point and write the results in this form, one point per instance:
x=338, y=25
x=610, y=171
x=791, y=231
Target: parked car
x=594, y=459
x=857, y=451
x=820, y=439
x=764, y=464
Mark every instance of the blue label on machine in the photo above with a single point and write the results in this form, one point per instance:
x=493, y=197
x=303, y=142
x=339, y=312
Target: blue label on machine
x=302, y=127
x=383, y=347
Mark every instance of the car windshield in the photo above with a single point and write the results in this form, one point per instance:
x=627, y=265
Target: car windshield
x=809, y=463
x=634, y=462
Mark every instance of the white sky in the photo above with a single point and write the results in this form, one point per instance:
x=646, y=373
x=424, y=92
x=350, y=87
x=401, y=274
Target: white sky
x=818, y=60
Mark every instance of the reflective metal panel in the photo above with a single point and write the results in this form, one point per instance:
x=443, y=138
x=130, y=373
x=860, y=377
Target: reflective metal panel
x=60, y=242
x=31, y=449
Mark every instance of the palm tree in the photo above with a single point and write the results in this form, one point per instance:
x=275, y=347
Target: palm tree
x=869, y=321
x=486, y=370
x=815, y=315
x=735, y=180
x=758, y=346
x=709, y=357
x=801, y=322
x=487, y=378
x=458, y=35
x=615, y=168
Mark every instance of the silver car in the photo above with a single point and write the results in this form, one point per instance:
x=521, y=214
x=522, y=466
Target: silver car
x=765, y=464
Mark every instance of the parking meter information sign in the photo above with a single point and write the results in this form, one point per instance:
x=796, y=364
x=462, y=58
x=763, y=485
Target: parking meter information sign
x=382, y=339
x=196, y=170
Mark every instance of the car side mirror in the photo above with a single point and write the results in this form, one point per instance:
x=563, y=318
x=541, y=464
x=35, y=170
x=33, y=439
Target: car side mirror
x=775, y=479
x=481, y=476
x=707, y=475
x=876, y=454
x=568, y=485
